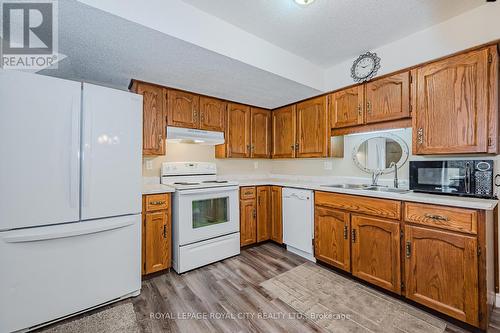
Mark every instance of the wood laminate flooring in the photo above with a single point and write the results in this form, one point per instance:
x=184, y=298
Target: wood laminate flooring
x=227, y=297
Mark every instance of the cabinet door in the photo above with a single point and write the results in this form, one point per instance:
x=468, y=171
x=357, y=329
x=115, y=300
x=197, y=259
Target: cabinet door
x=388, y=98
x=376, y=251
x=263, y=213
x=238, y=130
x=283, y=132
x=261, y=133
x=346, y=107
x=156, y=242
x=276, y=215
x=212, y=114
x=248, y=219
x=331, y=237
x=442, y=272
x=312, y=128
x=452, y=105
x=153, y=131
x=183, y=109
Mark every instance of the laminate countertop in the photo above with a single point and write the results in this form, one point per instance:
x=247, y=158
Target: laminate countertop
x=156, y=189
x=437, y=199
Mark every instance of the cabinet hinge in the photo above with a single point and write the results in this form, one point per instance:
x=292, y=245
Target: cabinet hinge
x=490, y=142
x=478, y=251
x=490, y=58
x=411, y=78
x=402, y=285
x=144, y=266
x=401, y=234
x=408, y=249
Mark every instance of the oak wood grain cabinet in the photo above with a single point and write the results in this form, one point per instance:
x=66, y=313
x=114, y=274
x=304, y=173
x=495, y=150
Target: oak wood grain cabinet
x=212, y=114
x=283, y=132
x=156, y=233
x=260, y=133
x=347, y=107
x=260, y=214
x=332, y=230
x=454, y=104
x=313, y=133
x=153, y=130
x=376, y=251
x=276, y=215
x=183, y=109
x=264, y=213
x=238, y=131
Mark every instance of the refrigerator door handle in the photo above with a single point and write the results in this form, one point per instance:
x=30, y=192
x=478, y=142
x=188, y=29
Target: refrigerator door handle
x=87, y=152
x=64, y=231
x=74, y=158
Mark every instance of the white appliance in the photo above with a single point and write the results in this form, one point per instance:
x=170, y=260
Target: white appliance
x=70, y=198
x=298, y=217
x=205, y=221
x=190, y=135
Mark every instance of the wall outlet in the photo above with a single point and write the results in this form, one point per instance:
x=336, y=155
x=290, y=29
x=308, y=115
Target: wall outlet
x=149, y=165
x=255, y=165
x=328, y=165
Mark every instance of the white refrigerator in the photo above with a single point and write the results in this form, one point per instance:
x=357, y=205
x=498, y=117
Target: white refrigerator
x=70, y=198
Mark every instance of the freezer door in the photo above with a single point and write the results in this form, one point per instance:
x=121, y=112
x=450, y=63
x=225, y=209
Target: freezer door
x=39, y=149
x=112, y=152
x=52, y=272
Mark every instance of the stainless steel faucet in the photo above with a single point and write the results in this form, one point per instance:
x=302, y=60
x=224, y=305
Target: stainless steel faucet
x=375, y=175
x=393, y=164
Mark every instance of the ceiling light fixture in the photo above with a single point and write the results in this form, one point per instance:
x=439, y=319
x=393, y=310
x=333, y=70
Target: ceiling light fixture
x=304, y=2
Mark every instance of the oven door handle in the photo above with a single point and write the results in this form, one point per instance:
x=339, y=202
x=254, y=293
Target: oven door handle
x=217, y=190
x=467, y=177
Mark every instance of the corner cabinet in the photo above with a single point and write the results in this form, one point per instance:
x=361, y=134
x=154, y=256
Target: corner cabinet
x=156, y=233
x=154, y=121
x=455, y=103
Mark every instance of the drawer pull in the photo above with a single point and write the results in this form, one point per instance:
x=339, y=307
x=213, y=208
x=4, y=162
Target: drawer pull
x=436, y=217
x=157, y=203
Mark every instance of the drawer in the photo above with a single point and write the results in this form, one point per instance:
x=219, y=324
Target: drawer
x=247, y=192
x=154, y=202
x=355, y=203
x=450, y=218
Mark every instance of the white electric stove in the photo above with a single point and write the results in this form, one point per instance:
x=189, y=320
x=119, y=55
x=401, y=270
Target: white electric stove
x=205, y=219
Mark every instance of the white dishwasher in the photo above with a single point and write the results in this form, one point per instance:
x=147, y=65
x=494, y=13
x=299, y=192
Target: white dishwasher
x=298, y=217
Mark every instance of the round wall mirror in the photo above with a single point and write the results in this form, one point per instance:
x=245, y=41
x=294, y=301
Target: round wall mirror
x=378, y=152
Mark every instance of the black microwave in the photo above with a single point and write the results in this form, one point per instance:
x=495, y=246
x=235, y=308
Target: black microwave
x=462, y=177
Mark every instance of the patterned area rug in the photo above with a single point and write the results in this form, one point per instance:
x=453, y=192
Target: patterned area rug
x=118, y=319
x=342, y=305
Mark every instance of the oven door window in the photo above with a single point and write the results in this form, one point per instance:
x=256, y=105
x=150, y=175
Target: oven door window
x=209, y=212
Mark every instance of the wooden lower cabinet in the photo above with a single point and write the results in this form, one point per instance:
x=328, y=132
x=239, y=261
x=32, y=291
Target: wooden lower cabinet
x=376, y=251
x=276, y=215
x=331, y=237
x=156, y=233
x=442, y=272
x=260, y=214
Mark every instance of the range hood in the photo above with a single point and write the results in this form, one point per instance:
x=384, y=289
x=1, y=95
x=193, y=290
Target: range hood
x=194, y=136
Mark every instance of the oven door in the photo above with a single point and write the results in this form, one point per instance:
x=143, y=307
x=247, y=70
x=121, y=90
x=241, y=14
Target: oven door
x=202, y=214
x=448, y=177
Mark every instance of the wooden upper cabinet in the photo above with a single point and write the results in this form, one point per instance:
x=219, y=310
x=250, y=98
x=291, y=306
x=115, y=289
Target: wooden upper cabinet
x=153, y=131
x=313, y=134
x=212, y=114
x=433, y=259
x=248, y=220
x=276, y=215
x=376, y=251
x=283, y=132
x=238, y=130
x=182, y=109
x=451, y=105
x=388, y=98
x=261, y=133
x=332, y=231
x=263, y=213
x=347, y=107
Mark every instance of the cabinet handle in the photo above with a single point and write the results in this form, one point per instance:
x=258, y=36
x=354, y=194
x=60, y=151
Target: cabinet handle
x=159, y=139
x=346, y=235
x=293, y=147
x=249, y=147
x=165, y=231
x=254, y=213
x=353, y=235
x=436, y=217
x=157, y=203
x=202, y=116
x=420, y=136
x=360, y=110
x=369, y=107
x=297, y=146
x=408, y=249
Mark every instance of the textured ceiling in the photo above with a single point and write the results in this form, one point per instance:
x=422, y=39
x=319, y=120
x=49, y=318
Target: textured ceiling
x=109, y=50
x=330, y=31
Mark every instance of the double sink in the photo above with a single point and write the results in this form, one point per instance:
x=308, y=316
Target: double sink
x=368, y=188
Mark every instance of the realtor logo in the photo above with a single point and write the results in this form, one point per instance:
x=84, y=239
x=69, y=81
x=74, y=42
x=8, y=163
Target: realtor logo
x=29, y=34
